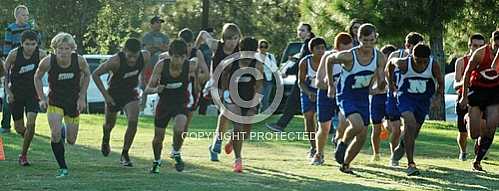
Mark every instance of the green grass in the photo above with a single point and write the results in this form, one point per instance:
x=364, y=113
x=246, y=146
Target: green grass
x=269, y=165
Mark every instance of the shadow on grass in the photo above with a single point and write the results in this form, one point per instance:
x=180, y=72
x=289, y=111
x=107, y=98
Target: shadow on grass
x=89, y=170
x=437, y=177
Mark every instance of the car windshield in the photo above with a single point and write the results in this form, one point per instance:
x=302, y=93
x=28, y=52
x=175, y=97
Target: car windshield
x=449, y=84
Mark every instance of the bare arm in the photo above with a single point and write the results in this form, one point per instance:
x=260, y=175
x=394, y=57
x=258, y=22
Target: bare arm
x=142, y=78
x=9, y=62
x=390, y=69
x=110, y=65
x=458, y=74
x=380, y=71
x=205, y=37
x=344, y=58
x=495, y=62
x=204, y=71
x=85, y=77
x=43, y=67
x=474, y=61
x=437, y=74
x=152, y=86
x=302, y=76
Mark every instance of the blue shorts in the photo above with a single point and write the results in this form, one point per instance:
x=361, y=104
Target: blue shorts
x=419, y=108
x=306, y=104
x=325, y=106
x=378, y=108
x=353, y=105
x=391, y=108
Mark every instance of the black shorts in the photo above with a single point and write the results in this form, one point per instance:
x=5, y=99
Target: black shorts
x=461, y=125
x=483, y=97
x=121, y=102
x=23, y=105
x=167, y=110
x=64, y=109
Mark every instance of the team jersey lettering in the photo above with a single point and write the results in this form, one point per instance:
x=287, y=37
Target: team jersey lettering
x=174, y=85
x=362, y=81
x=26, y=68
x=417, y=86
x=65, y=76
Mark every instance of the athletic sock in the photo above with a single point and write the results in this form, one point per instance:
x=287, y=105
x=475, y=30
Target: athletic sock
x=483, y=145
x=58, y=149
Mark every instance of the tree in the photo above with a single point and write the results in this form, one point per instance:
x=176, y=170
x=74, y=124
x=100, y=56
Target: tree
x=274, y=20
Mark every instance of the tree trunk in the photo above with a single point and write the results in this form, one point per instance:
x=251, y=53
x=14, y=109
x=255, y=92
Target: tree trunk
x=205, y=14
x=437, y=112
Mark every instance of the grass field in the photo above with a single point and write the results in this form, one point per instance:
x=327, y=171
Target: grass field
x=269, y=165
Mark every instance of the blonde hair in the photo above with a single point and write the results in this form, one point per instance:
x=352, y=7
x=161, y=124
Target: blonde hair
x=19, y=8
x=61, y=38
x=230, y=30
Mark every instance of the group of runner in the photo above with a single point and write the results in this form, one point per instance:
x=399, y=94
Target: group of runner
x=355, y=80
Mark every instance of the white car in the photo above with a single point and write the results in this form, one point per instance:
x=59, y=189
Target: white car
x=450, y=96
x=95, y=100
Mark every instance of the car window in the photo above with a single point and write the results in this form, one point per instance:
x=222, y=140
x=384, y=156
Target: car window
x=291, y=50
x=93, y=63
x=449, y=84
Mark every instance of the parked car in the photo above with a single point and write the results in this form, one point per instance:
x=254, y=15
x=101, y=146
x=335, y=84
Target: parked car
x=290, y=57
x=450, y=96
x=95, y=100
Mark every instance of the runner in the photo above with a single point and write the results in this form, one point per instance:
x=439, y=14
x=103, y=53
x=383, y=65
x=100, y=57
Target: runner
x=231, y=34
x=326, y=105
x=308, y=94
x=20, y=68
x=125, y=68
x=392, y=111
x=475, y=41
x=419, y=74
x=68, y=77
x=170, y=80
x=248, y=87
x=483, y=83
x=359, y=66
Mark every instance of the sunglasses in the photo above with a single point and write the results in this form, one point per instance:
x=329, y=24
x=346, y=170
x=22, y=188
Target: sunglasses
x=264, y=46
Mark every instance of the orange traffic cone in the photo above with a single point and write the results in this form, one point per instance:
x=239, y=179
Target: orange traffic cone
x=2, y=154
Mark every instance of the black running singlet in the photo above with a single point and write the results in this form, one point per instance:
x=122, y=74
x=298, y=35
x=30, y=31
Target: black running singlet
x=64, y=83
x=126, y=80
x=22, y=73
x=175, y=90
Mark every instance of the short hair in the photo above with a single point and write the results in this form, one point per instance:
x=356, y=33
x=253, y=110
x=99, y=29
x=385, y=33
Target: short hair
x=308, y=26
x=352, y=23
x=19, y=8
x=388, y=49
x=495, y=35
x=29, y=35
x=230, y=30
x=422, y=51
x=248, y=44
x=263, y=41
x=315, y=42
x=187, y=35
x=414, y=38
x=367, y=29
x=61, y=38
x=476, y=36
x=342, y=38
x=132, y=45
x=177, y=47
